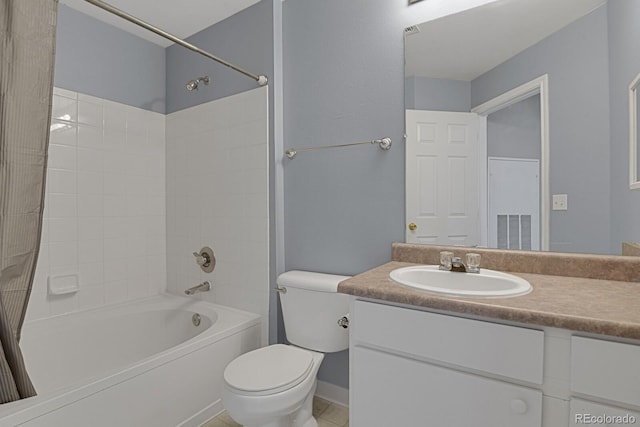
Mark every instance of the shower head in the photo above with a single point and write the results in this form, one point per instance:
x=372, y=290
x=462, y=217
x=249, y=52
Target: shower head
x=193, y=84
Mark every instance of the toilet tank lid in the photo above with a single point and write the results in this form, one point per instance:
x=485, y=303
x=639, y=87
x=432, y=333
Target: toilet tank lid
x=319, y=282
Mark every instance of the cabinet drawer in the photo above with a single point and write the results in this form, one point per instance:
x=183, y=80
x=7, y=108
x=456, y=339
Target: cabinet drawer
x=585, y=412
x=606, y=369
x=390, y=390
x=498, y=349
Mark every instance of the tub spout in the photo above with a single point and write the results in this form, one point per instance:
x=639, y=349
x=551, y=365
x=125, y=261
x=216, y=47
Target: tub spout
x=202, y=287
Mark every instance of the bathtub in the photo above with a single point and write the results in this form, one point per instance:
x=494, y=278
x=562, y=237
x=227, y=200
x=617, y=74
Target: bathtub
x=142, y=363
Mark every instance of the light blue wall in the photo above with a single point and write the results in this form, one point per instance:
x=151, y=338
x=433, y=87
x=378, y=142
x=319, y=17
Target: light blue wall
x=100, y=60
x=343, y=83
x=624, y=39
x=244, y=39
x=426, y=93
x=514, y=131
x=576, y=60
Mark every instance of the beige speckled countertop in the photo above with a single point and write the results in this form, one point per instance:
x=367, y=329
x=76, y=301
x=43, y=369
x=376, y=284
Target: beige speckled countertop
x=607, y=307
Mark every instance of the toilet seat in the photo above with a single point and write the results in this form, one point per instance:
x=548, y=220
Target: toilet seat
x=269, y=370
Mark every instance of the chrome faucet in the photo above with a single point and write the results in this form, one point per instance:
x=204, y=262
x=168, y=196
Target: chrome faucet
x=457, y=265
x=202, y=287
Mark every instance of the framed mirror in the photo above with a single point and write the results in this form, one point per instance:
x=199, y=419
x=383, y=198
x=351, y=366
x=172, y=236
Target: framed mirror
x=634, y=139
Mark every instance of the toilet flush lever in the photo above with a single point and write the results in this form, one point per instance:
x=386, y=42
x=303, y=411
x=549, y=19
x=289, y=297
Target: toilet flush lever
x=344, y=321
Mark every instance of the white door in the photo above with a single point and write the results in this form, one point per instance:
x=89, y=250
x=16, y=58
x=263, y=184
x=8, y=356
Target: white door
x=514, y=203
x=442, y=178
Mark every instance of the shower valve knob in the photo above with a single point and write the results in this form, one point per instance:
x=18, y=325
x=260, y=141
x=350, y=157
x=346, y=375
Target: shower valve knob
x=202, y=260
x=205, y=259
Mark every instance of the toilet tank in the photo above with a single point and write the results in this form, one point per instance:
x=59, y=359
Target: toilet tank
x=311, y=308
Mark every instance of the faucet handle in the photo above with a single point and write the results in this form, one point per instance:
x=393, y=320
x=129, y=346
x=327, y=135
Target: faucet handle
x=205, y=259
x=201, y=259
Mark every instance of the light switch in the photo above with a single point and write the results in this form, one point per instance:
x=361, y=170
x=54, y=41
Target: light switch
x=559, y=202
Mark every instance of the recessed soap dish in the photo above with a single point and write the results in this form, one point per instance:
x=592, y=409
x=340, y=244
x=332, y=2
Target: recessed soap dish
x=63, y=284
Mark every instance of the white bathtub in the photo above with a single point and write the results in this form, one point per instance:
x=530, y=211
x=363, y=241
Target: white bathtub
x=139, y=364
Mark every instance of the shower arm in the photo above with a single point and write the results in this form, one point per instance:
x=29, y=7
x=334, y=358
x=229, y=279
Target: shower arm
x=262, y=80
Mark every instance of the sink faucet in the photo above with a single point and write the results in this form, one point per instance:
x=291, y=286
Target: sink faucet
x=457, y=265
x=202, y=287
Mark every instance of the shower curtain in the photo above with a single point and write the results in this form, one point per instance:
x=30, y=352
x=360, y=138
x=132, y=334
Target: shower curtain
x=27, y=44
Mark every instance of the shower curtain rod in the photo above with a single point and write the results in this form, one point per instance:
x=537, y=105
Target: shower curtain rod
x=262, y=80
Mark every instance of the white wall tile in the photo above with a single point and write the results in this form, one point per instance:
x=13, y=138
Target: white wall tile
x=63, y=230
x=115, y=205
x=90, y=251
x=63, y=133
x=91, y=297
x=62, y=304
x=115, y=249
x=90, y=159
x=222, y=144
x=62, y=157
x=89, y=227
x=90, y=206
x=63, y=254
x=90, y=111
x=91, y=274
x=62, y=205
x=61, y=181
x=115, y=116
x=90, y=137
x=64, y=108
x=92, y=222
x=90, y=183
x=116, y=292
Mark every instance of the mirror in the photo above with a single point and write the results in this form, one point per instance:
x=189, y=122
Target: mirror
x=535, y=75
x=634, y=139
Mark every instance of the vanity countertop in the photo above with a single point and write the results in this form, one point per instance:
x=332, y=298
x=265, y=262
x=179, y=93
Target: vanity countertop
x=607, y=307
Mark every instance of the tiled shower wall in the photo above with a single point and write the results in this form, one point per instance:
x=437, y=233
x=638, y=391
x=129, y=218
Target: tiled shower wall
x=104, y=217
x=217, y=196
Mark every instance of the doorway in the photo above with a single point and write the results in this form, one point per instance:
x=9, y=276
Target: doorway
x=433, y=189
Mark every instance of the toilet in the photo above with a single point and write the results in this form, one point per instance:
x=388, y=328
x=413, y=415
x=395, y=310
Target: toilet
x=274, y=386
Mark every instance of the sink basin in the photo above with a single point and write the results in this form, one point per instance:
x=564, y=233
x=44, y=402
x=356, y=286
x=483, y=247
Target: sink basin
x=486, y=284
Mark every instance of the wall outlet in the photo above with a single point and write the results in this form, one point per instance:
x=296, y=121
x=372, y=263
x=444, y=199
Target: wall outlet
x=559, y=202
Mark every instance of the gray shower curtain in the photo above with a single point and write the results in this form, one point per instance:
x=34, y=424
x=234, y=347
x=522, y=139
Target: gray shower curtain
x=27, y=44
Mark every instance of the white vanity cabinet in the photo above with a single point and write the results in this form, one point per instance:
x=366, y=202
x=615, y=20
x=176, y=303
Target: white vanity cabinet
x=591, y=413
x=414, y=368
x=605, y=377
x=411, y=367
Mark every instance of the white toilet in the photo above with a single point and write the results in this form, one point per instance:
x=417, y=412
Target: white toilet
x=274, y=386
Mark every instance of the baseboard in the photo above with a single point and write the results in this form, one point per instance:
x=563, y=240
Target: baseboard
x=333, y=393
x=204, y=415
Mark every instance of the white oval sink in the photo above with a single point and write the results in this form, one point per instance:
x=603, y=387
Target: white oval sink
x=487, y=283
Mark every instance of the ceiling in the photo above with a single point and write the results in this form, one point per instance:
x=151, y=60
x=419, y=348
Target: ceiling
x=180, y=18
x=468, y=44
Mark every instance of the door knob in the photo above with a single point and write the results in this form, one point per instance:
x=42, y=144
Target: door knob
x=412, y=226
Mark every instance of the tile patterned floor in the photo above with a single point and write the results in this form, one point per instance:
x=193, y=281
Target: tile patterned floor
x=327, y=413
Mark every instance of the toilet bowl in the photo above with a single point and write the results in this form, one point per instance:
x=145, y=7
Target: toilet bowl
x=274, y=386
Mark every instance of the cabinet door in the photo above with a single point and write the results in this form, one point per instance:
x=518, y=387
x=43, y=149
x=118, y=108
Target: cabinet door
x=585, y=412
x=389, y=390
x=605, y=369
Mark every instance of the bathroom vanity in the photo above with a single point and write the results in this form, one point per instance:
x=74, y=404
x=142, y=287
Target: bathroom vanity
x=566, y=354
